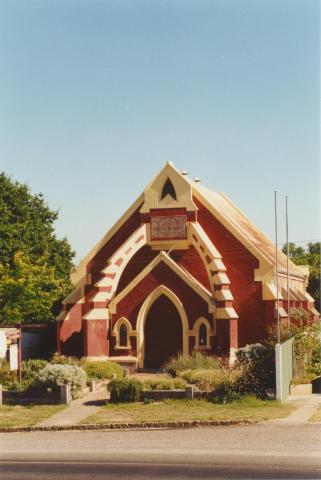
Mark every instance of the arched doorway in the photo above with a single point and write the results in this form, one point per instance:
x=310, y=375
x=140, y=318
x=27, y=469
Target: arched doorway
x=163, y=332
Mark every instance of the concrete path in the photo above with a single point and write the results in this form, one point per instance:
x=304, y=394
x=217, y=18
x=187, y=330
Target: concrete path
x=79, y=409
x=306, y=406
x=89, y=404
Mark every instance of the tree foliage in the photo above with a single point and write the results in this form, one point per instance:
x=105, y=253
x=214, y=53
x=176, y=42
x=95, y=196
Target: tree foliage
x=311, y=257
x=34, y=264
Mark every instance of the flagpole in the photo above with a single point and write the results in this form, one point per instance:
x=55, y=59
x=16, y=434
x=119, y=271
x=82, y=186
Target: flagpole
x=287, y=259
x=276, y=265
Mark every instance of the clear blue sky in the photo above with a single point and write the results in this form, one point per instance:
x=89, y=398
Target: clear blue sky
x=96, y=95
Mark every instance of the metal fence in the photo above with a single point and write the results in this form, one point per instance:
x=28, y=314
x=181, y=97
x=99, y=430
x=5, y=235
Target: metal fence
x=283, y=368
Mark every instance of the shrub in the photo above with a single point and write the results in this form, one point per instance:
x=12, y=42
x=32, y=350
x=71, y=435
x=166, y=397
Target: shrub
x=102, y=370
x=163, y=383
x=257, y=365
x=30, y=369
x=315, y=365
x=226, y=391
x=55, y=375
x=125, y=390
x=307, y=346
x=190, y=362
x=7, y=376
x=203, y=379
x=60, y=359
x=29, y=372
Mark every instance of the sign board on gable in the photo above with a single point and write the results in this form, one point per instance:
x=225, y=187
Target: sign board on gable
x=169, y=227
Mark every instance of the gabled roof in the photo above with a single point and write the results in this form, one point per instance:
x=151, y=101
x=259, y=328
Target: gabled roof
x=182, y=273
x=220, y=206
x=243, y=229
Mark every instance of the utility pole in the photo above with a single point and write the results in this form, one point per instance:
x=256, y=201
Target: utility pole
x=276, y=266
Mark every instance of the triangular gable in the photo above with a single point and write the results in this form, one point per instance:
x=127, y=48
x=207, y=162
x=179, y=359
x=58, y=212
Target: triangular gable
x=186, y=277
x=183, y=191
x=219, y=206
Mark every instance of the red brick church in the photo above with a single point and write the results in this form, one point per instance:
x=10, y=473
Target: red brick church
x=182, y=270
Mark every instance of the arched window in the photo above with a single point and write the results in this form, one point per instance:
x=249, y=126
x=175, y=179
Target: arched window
x=203, y=332
x=123, y=335
x=168, y=189
x=202, y=335
x=122, y=331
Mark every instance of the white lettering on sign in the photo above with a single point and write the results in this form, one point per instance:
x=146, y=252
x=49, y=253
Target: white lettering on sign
x=168, y=228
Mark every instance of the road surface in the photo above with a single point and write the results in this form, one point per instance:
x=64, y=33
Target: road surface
x=259, y=451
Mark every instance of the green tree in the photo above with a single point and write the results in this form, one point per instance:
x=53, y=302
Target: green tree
x=311, y=257
x=34, y=264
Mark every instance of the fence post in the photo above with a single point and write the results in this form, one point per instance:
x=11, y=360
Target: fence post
x=278, y=372
x=0, y=395
x=126, y=372
x=189, y=392
x=92, y=386
x=65, y=395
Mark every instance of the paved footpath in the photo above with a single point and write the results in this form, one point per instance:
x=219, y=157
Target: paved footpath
x=306, y=406
x=78, y=409
x=90, y=403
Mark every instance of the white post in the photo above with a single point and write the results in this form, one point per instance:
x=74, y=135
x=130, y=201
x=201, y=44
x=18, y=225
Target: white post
x=278, y=372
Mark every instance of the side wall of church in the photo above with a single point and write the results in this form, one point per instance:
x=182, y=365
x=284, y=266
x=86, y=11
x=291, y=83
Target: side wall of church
x=240, y=265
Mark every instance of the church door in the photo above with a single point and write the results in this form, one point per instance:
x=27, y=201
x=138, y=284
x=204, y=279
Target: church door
x=163, y=333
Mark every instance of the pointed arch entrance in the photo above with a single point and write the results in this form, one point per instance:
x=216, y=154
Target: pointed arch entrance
x=163, y=333
x=154, y=328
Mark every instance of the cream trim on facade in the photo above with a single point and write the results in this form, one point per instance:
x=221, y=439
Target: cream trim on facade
x=229, y=215
x=123, y=359
x=225, y=313
x=97, y=314
x=142, y=315
x=62, y=316
x=80, y=270
x=185, y=276
x=196, y=331
x=210, y=256
x=183, y=190
x=116, y=332
x=118, y=262
x=224, y=295
x=221, y=278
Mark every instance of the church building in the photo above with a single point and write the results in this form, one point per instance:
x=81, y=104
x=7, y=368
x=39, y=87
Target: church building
x=182, y=270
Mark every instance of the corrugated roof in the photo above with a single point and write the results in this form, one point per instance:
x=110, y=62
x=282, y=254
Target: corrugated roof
x=236, y=219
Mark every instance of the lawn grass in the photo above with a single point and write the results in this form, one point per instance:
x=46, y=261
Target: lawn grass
x=27, y=415
x=316, y=417
x=184, y=410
